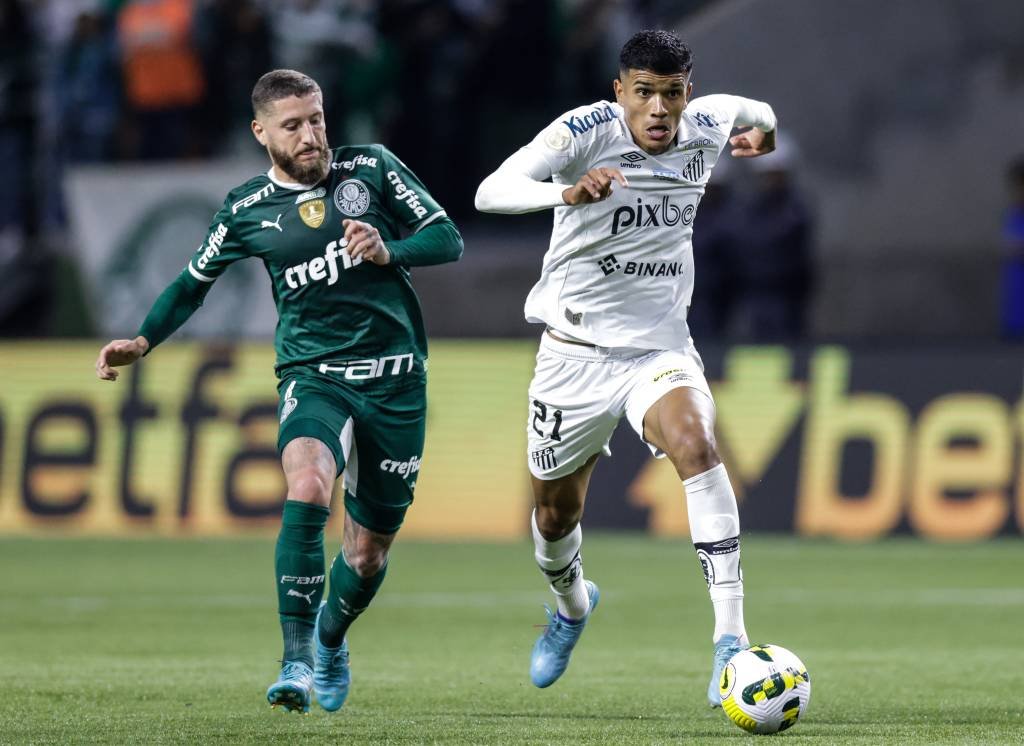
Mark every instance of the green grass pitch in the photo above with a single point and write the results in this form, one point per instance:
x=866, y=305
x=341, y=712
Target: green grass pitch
x=164, y=641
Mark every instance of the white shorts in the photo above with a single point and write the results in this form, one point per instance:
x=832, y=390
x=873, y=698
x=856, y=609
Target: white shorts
x=579, y=393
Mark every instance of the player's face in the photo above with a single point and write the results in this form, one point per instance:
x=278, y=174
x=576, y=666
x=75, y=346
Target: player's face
x=654, y=105
x=293, y=131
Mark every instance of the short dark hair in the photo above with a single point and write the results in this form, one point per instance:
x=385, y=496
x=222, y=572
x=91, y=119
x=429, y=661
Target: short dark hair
x=278, y=84
x=661, y=52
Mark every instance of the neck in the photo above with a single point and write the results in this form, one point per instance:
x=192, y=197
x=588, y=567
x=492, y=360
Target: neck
x=282, y=176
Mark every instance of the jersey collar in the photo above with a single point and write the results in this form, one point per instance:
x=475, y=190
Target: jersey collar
x=291, y=184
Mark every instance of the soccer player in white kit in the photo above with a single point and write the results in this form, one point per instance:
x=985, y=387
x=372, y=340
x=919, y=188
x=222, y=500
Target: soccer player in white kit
x=626, y=179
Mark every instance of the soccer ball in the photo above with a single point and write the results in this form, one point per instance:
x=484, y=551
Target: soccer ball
x=764, y=689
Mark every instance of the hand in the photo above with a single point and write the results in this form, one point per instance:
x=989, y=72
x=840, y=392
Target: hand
x=594, y=186
x=752, y=143
x=364, y=242
x=117, y=353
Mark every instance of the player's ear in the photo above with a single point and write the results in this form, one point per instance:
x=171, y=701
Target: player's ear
x=258, y=133
x=617, y=87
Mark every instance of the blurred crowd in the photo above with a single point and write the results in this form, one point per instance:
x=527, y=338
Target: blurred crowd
x=451, y=85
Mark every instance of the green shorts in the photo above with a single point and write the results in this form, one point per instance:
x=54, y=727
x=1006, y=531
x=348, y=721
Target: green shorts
x=375, y=433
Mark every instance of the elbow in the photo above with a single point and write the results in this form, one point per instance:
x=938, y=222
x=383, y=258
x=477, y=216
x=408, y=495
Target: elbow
x=456, y=246
x=484, y=200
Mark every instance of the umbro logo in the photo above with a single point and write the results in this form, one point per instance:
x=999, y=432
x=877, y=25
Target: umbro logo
x=275, y=224
x=632, y=159
x=609, y=264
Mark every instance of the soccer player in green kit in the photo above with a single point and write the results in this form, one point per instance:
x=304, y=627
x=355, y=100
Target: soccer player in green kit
x=351, y=358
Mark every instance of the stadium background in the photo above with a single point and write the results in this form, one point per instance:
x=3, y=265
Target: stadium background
x=893, y=417
x=896, y=407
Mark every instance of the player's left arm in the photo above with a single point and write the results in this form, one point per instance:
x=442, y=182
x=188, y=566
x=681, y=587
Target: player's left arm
x=436, y=243
x=737, y=111
x=760, y=138
x=434, y=238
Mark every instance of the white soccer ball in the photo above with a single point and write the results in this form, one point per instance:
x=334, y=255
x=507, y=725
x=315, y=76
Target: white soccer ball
x=765, y=689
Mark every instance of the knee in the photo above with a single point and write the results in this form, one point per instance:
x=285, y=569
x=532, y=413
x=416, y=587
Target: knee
x=366, y=561
x=691, y=447
x=556, y=521
x=310, y=485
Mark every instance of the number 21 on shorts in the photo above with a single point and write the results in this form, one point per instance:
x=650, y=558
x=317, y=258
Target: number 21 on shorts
x=540, y=420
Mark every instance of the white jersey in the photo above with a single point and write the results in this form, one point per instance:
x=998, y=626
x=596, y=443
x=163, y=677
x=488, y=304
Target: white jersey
x=619, y=273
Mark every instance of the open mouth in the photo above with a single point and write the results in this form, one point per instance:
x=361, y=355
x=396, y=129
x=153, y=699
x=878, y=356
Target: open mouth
x=308, y=155
x=657, y=132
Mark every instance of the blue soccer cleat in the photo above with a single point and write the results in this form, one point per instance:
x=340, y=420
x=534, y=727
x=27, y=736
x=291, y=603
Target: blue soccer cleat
x=726, y=647
x=551, y=652
x=293, y=687
x=331, y=674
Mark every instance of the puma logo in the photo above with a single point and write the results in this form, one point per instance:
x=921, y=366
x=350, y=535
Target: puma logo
x=307, y=596
x=275, y=224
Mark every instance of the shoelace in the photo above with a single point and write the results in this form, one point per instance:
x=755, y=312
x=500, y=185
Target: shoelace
x=557, y=628
x=335, y=665
x=293, y=671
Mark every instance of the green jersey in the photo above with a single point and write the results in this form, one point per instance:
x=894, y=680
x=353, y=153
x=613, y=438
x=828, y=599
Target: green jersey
x=358, y=318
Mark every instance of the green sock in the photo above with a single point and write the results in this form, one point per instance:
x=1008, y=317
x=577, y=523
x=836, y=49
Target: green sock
x=349, y=597
x=299, y=576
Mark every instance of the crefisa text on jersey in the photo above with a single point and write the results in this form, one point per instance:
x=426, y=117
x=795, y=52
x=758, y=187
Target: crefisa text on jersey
x=359, y=160
x=407, y=195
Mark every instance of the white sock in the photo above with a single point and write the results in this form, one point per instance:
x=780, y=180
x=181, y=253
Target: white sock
x=715, y=530
x=562, y=565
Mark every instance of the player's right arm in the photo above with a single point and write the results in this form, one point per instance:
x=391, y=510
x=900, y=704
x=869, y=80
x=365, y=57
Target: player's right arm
x=179, y=300
x=520, y=184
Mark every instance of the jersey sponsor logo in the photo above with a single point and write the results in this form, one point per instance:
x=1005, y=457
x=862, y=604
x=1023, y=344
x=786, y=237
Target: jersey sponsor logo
x=361, y=370
x=666, y=373
x=401, y=468
x=700, y=142
x=644, y=215
x=359, y=160
x=705, y=120
x=313, y=212
x=322, y=267
x=695, y=167
x=655, y=269
x=573, y=318
x=406, y=195
x=667, y=174
x=303, y=579
x=272, y=224
x=253, y=198
x=314, y=194
x=212, y=246
x=595, y=117
x=352, y=197
x=609, y=264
